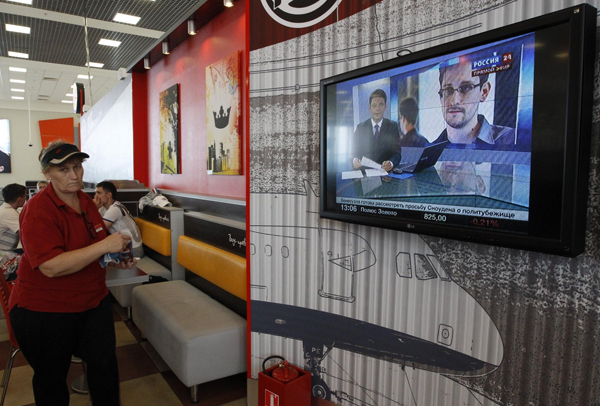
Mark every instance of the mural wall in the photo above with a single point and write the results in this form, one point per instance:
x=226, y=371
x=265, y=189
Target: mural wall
x=382, y=317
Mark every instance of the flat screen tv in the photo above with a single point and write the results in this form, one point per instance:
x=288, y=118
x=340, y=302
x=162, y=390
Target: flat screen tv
x=483, y=139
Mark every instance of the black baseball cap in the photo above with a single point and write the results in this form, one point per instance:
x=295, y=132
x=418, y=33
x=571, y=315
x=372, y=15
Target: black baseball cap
x=61, y=153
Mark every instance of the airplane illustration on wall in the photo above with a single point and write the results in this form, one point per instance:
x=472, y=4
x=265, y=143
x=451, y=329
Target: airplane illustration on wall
x=317, y=280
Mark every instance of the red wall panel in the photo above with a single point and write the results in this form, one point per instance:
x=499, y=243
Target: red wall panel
x=271, y=32
x=186, y=65
x=57, y=129
x=140, y=127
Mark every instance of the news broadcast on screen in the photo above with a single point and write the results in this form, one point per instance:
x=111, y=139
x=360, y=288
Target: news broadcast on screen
x=463, y=119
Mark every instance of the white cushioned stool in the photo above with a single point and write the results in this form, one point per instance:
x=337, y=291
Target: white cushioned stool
x=200, y=339
x=123, y=293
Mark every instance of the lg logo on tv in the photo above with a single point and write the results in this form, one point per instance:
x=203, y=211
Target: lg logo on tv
x=299, y=13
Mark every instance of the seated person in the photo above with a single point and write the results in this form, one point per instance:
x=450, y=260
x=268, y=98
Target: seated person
x=15, y=196
x=408, y=110
x=377, y=138
x=42, y=184
x=116, y=216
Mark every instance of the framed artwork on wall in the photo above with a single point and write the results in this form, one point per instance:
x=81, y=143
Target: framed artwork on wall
x=57, y=129
x=5, y=146
x=223, y=107
x=169, y=131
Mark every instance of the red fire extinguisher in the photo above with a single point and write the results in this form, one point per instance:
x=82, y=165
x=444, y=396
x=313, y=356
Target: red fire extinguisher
x=283, y=384
x=284, y=372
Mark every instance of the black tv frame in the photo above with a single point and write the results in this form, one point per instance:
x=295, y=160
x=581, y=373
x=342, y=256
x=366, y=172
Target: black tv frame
x=572, y=199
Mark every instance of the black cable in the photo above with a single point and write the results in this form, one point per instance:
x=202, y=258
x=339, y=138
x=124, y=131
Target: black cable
x=409, y=386
x=378, y=32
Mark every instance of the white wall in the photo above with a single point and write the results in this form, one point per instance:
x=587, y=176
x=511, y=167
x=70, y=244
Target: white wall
x=24, y=159
x=107, y=135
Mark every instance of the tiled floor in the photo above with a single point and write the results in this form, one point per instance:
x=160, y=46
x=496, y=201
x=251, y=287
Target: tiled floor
x=145, y=379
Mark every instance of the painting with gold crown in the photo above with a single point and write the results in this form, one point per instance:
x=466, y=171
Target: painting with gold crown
x=223, y=107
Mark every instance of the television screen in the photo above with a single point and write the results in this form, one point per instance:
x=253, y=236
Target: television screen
x=481, y=139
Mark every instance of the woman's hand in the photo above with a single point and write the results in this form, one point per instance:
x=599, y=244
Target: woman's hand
x=74, y=261
x=116, y=242
x=125, y=264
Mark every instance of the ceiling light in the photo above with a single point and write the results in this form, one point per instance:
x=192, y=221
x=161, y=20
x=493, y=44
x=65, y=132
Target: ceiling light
x=228, y=3
x=18, y=90
x=84, y=77
x=18, y=28
x=192, y=27
x=95, y=65
x=165, y=47
x=67, y=101
x=147, y=62
x=13, y=69
x=127, y=19
x=17, y=98
x=69, y=94
x=22, y=1
x=109, y=42
x=18, y=55
x=17, y=81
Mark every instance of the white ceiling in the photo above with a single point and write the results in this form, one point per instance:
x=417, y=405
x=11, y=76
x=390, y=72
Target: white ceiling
x=48, y=83
x=57, y=48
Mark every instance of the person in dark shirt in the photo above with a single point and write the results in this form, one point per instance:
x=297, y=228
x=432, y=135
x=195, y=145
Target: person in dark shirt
x=4, y=162
x=377, y=138
x=460, y=96
x=408, y=111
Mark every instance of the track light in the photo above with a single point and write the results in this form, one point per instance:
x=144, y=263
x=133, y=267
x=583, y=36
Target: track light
x=165, y=47
x=146, y=62
x=228, y=3
x=192, y=27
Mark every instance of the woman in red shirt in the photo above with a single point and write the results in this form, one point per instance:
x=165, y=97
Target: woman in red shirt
x=59, y=304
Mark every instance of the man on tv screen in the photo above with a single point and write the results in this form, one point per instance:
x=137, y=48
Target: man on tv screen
x=377, y=138
x=460, y=95
x=408, y=110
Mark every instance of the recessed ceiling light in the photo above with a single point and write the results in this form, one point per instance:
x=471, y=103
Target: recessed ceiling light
x=126, y=18
x=192, y=27
x=17, y=81
x=95, y=65
x=13, y=69
x=17, y=98
x=18, y=90
x=18, y=28
x=18, y=55
x=67, y=101
x=22, y=1
x=84, y=77
x=109, y=42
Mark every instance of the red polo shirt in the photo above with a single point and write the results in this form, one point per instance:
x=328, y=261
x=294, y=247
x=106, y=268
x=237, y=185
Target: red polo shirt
x=49, y=228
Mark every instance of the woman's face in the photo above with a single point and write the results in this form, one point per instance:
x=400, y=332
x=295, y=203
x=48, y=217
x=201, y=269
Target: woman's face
x=66, y=177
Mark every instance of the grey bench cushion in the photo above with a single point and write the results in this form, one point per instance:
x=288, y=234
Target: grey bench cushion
x=200, y=339
x=123, y=293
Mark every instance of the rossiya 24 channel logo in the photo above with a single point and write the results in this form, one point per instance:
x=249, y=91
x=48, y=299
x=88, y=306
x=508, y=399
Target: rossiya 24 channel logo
x=299, y=13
